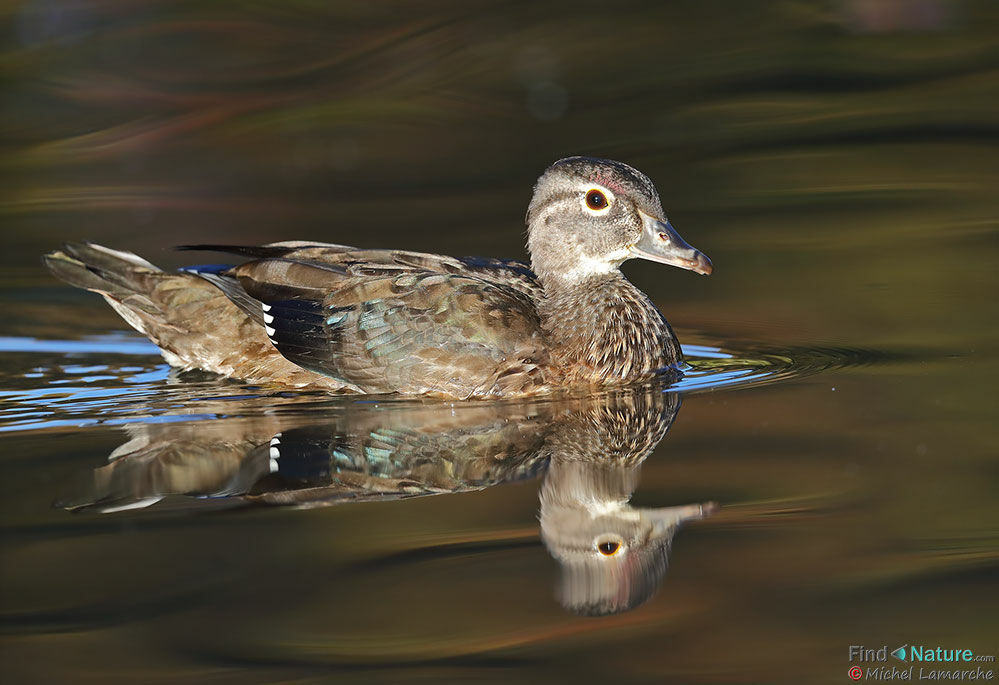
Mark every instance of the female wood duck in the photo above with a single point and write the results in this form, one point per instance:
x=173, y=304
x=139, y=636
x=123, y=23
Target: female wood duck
x=318, y=315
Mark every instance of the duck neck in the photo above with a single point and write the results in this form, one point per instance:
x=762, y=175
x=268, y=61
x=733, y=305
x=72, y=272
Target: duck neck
x=602, y=328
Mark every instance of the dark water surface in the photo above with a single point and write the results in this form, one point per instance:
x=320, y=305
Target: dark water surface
x=833, y=449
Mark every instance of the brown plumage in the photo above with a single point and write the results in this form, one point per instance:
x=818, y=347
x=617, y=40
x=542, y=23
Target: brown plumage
x=344, y=319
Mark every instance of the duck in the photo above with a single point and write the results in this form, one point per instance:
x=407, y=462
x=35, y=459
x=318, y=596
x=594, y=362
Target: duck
x=324, y=316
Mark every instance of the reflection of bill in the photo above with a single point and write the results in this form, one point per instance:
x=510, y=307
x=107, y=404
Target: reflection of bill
x=855, y=672
x=613, y=556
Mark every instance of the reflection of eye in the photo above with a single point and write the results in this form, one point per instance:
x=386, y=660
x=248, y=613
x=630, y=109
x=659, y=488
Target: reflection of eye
x=608, y=548
x=608, y=544
x=596, y=200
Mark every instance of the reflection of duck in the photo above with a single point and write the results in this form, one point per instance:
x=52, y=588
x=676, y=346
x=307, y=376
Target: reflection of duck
x=613, y=556
x=357, y=452
x=376, y=321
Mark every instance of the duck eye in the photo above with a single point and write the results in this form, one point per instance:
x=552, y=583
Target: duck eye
x=608, y=548
x=596, y=200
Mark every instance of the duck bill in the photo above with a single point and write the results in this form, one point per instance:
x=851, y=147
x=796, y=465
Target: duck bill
x=661, y=243
x=665, y=521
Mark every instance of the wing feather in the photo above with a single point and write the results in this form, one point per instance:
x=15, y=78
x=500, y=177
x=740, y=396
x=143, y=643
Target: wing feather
x=393, y=320
x=414, y=332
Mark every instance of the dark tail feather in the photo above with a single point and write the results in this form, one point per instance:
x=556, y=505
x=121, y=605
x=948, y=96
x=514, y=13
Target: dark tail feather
x=251, y=251
x=101, y=269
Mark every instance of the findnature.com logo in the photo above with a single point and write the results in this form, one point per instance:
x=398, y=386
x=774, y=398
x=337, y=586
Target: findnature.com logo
x=917, y=655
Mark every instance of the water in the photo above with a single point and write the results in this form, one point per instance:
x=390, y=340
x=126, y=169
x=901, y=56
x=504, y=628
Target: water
x=836, y=160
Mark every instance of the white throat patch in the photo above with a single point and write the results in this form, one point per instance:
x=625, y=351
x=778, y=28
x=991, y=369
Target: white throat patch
x=592, y=266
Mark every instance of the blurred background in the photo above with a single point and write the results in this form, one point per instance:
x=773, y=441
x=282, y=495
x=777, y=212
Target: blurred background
x=837, y=160
x=822, y=145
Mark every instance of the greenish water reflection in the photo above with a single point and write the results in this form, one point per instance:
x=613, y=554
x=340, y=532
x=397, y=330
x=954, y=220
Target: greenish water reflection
x=588, y=450
x=837, y=161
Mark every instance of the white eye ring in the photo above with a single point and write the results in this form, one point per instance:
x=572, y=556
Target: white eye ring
x=596, y=200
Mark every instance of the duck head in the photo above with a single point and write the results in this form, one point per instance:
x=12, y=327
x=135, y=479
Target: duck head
x=588, y=216
x=613, y=556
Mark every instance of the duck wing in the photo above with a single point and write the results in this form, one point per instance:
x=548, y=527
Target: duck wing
x=389, y=321
x=513, y=273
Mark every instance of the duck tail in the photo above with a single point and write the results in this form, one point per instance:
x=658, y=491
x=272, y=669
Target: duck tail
x=139, y=291
x=113, y=273
x=188, y=316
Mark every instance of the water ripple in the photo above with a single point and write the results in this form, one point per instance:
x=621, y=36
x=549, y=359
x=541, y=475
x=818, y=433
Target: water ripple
x=120, y=379
x=713, y=368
